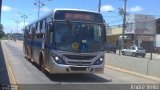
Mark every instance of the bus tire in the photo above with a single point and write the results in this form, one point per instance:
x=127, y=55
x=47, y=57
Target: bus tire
x=28, y=54
x=134, y=54
x=42, y=68
x=123, y=53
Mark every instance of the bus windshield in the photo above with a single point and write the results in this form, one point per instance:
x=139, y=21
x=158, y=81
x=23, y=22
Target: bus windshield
x=79, y=37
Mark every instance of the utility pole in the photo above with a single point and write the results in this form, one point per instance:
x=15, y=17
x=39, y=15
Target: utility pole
x=24, y=17
x=39, y=4
x=99, y=6
x=124, y=23
x=17, y=22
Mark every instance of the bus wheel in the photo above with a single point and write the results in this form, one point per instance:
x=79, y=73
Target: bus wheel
x=26, y=53
x=41, y=63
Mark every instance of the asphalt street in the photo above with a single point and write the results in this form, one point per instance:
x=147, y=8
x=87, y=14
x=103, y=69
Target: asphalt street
x=29, y=77
x=3, y=69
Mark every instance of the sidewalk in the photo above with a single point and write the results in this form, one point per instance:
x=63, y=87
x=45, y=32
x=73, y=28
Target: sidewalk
x=154, y=56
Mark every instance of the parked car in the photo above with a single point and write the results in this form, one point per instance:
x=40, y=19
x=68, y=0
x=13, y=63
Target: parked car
x=134, y=51
x=111, y=48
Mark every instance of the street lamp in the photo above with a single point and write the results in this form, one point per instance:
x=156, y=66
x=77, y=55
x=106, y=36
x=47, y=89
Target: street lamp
x=122, y=11
x=116, y=13
x=121, y=38
x=39, y=4
x=17, y=22
x=24, y=17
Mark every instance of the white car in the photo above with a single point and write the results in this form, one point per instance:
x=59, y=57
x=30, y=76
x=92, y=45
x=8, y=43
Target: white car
x=134, y=51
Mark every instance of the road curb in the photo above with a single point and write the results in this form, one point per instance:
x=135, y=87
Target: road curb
x=133, y=73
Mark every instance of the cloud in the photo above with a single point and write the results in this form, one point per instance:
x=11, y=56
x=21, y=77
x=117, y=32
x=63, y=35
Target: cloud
x=44, y=9
x=135, y=9
x=106, y=8
x=6, y=8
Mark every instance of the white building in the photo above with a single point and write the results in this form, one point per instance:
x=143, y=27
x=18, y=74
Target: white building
x=142, y=28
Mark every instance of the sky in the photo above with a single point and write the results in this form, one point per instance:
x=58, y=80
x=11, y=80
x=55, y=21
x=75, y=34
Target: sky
x=11, y=10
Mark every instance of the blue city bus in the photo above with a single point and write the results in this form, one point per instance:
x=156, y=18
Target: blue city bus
x=67, y=41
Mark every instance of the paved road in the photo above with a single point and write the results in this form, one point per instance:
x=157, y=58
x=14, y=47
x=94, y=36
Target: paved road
x=29, y=76
x=4, y=77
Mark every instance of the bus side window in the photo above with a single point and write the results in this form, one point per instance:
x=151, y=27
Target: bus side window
x=50, y=27
x=50, y=30
x=36, y=26
x=51, y=37
x=43, y=26
x=30, y=31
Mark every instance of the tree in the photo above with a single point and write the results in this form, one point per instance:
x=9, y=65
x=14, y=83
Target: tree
x=2, y=34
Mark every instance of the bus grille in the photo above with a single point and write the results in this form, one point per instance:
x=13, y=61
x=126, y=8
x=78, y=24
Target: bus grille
x=78, y=68
x=79, y=64
x=78, y=57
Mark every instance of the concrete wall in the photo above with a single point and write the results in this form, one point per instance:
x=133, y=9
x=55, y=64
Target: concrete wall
x=139, y=65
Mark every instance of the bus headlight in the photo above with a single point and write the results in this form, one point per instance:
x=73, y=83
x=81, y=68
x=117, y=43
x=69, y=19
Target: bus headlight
x=99, y=61
x=58, y=60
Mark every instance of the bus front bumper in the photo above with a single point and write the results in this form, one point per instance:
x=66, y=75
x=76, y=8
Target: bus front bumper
x=58, y=68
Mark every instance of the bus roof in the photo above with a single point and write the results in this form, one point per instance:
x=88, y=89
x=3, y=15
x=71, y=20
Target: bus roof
x=68, y=9
x=64, y=9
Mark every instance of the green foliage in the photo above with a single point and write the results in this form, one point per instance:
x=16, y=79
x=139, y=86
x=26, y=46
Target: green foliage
x=2, y=34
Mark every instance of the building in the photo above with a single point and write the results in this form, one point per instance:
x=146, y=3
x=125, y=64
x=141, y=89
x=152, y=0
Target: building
x=158, y=26
x=142, y=29
x=113, y=34
x=157, y=39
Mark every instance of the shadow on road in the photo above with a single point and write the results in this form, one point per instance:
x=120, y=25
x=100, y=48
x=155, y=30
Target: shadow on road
x=4, y=77
x=80, y=78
